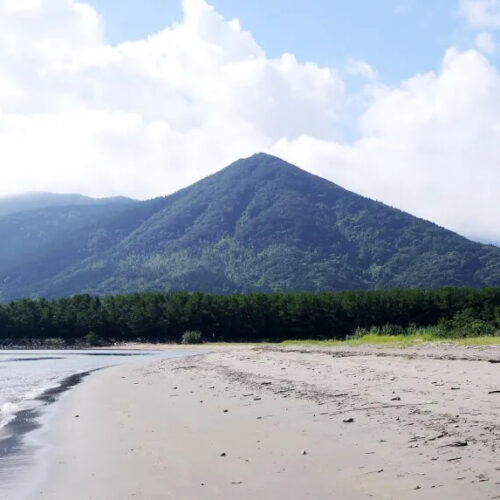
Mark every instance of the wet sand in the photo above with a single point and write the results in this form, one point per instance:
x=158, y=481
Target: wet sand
x=272, y=423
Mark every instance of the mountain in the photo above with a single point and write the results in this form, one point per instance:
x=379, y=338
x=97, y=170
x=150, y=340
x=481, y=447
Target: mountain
x=37, y=200
x=260, y=224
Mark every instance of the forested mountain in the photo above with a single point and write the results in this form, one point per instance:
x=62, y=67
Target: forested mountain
x=261, y=224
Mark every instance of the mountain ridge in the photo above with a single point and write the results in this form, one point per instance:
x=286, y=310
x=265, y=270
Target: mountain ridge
x=35, y=200
x=260, y=224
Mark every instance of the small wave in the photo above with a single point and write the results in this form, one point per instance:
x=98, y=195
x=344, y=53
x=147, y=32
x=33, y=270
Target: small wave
x=7, y=413
x=37, y=391
x=28, y=399
x=12, y=360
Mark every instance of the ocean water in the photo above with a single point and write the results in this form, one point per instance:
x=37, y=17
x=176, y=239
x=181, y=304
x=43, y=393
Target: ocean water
x=32, y=381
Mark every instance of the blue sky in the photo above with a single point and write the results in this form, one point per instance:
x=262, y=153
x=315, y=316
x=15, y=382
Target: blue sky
x=397, y=37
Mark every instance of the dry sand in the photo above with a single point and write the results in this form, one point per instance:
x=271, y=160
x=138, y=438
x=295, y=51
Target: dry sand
x=268, y=423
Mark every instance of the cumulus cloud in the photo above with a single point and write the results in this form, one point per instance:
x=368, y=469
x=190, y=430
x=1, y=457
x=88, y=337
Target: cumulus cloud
x=145, y=118
x=428, y=145
x=481, y=13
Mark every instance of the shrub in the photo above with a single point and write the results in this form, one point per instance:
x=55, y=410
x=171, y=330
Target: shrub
x=192, y=337
x=358, y=333
x=388, y=329
x=91, y=338
x=464, y=325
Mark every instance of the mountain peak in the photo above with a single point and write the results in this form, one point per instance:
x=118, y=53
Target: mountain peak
x=264, y=167
x=260, y=224
x=264, y=160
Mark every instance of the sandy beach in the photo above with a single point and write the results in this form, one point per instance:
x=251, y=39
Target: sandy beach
x=276, y=423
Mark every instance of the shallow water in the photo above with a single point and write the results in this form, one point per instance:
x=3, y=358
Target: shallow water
x=30, y=381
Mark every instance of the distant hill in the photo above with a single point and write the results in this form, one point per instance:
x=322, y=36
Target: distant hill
x=36, y=200
x=260, y=224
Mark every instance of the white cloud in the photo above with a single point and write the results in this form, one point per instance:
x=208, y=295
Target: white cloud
x=361, y=68
x=143, y=118
x=429, y=146
x=481, y=13
x=148, y=117
x=486, y=43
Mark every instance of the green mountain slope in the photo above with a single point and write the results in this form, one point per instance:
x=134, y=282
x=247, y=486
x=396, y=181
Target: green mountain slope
x=40, y=244
x=259, y=224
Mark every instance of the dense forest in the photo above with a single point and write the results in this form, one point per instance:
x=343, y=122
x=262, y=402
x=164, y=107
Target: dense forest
x=165, y=317
x=259, y=225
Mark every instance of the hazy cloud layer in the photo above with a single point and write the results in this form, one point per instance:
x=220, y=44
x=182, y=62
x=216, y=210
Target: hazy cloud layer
x=146, y=118
x=481, y=13
x=486, y=43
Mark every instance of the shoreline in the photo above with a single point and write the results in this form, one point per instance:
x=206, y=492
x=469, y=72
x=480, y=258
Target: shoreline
x=27, y=420
x=19, y=447
x=275, y=423
x=21, y=437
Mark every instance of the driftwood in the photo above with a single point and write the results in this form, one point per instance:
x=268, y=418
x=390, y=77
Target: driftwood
x=381, y=407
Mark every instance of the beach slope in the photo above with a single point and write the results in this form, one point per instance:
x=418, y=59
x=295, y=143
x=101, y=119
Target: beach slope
x=272, y=423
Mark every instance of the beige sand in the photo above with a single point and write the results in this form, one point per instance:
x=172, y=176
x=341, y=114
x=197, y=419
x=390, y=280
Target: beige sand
x=158, y=430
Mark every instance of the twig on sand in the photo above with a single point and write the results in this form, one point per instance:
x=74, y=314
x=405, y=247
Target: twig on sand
x=455, y=444
x=381, y=407
x=375, y=471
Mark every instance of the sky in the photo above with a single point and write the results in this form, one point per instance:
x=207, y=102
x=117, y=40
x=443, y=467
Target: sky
x=397, y=100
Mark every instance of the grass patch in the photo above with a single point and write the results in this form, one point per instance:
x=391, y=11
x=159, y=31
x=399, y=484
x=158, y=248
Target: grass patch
x=477, y=341
x=402, y=340
x=394, y=340
x=235, y=344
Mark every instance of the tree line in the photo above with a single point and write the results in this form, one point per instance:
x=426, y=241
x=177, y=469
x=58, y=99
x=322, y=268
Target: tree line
x=164, y=317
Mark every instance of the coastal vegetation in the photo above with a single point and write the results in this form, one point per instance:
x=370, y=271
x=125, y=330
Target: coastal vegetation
x=275, y=317
x=192, y=337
